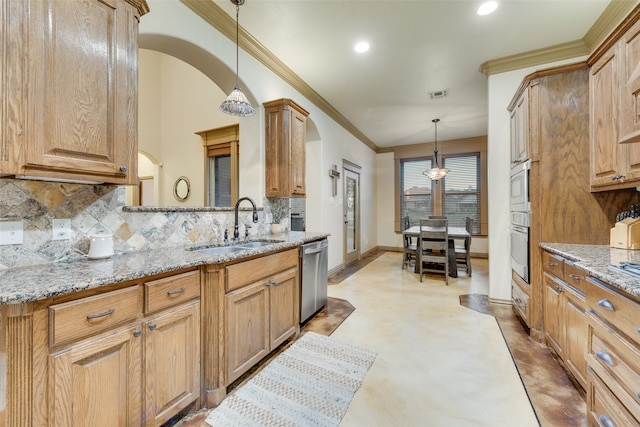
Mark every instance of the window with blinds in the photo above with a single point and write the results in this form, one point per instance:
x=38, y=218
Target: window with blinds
x=461, y=195
x=416, y=199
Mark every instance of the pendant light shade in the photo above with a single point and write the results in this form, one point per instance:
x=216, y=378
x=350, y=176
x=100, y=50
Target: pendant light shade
x=436, y=173
x=237, y=103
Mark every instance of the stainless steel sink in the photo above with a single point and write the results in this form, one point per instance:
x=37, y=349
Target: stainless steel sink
x=217, y=250
x=255, y=244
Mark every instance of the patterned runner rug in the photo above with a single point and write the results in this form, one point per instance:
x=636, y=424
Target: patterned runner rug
x=310, y=384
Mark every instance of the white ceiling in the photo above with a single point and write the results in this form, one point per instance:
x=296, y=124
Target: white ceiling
x=417, y=46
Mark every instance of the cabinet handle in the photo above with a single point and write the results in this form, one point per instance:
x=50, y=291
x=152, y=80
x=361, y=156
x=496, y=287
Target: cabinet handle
x=123, y=168
x=153, y=326
x=605, y=357
x=575, y=277
x=606, y=304
x=638, y=395
x=176, y=292
x=606, y=421
x=559, y=289
x=137, y=333
x=552, y=264
x=96, y=316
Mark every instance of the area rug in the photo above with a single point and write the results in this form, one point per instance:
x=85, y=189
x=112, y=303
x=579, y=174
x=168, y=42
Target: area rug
x=311, y=383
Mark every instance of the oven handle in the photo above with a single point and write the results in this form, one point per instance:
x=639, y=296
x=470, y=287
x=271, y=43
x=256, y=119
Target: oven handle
x=519, y=229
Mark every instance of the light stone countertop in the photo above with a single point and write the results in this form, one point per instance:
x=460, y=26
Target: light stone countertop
x=26, y=284
x=596, y=259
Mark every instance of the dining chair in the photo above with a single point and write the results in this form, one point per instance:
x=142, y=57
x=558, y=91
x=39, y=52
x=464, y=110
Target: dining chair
x=463, y=253
x=434, y=248
x=410, y=248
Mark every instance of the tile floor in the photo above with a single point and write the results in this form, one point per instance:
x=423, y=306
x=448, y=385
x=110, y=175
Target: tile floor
x=443, y=354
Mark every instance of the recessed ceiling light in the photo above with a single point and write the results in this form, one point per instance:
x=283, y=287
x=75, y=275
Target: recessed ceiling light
x=361, y=47
x=487, y=7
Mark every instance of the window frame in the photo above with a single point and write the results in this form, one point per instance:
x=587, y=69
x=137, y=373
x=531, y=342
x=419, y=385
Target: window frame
x=447, y=149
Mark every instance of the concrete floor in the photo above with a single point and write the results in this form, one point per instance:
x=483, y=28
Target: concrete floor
x=441, y=363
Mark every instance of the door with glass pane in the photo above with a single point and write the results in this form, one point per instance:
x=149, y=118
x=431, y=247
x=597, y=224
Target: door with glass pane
x=351, y=210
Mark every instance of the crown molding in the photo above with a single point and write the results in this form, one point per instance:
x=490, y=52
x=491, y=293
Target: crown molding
x=614, y=13
x=215, y=16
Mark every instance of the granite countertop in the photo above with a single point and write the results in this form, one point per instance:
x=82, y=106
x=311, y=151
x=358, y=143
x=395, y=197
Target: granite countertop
x=596, y=259
x=26, y=284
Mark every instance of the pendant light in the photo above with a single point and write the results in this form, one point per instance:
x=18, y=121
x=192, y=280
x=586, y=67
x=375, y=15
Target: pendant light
x=436, y=173
x=237, y=103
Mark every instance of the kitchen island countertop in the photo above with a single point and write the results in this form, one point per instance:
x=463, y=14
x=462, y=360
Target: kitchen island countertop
x=27, y=284
x=595, y=261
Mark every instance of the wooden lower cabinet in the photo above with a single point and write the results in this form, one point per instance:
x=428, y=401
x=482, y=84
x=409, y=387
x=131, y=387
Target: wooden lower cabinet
x=565, y=324
x=172, y=363
x=260, y=317
x=142, y=370
x=99, y=382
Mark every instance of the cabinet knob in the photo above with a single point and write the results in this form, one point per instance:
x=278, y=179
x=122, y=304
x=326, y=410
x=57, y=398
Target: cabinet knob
x=123, y=168
x=605, y=421
x=606, y=304
x=559, y=289
x=153, y=326
x=518, y=301
x=137, y=333
x=605, y=357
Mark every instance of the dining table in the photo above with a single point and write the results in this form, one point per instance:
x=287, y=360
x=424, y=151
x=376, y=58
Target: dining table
x=459, y=233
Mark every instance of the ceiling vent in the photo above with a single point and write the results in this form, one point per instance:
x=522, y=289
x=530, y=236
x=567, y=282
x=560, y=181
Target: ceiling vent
x=439, y=94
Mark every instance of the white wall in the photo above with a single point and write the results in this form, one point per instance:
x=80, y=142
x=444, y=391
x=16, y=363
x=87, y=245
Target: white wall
x=174, y=20
x=501, y=89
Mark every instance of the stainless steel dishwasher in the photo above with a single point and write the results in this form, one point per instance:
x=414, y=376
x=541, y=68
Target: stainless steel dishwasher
x=313, y=292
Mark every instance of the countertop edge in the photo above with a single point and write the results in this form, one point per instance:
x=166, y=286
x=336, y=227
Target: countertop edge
x=39, y=282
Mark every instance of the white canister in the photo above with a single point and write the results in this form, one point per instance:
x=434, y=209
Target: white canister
x=101, y=246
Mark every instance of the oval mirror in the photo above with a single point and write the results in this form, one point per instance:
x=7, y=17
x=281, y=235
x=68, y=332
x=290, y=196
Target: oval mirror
x=181, y=189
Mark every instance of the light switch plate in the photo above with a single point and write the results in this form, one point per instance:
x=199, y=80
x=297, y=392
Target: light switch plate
x=60, y=229
x=11, y=232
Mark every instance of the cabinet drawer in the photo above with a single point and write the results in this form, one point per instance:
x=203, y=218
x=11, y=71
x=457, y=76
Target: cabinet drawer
x=617, y=363
x=242, y=274
x=616, y=309
x=520, y=300
x=603, y=407
x=81, y=318
x=575, y=277
x=173, y=290
x=553, y=264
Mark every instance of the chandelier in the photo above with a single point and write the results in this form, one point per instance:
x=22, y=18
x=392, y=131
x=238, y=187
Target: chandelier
x=436, y=173
x=237, y=103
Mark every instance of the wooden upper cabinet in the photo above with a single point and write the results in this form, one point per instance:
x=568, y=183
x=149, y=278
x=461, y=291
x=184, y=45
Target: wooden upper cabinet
x=285, y=148
x=614, y=116
x=519, y=111
x=78, y=118
x=629, y=48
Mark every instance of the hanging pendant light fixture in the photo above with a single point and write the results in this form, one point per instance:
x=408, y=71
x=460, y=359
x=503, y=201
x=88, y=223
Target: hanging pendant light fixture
x=436, y=173
x=237, y=103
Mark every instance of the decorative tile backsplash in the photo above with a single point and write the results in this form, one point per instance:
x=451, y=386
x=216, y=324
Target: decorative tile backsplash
x=97, y=209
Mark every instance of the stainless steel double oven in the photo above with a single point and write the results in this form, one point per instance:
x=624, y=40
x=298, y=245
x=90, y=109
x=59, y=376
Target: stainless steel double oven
x=520, y=210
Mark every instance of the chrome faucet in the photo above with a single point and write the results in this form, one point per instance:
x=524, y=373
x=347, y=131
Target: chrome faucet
x=236, y=233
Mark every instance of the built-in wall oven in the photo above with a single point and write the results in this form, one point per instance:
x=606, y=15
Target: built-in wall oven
x=520, y=210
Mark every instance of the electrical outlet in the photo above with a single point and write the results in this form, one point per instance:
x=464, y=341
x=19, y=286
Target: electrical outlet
x=11, y=232
x=61, y=229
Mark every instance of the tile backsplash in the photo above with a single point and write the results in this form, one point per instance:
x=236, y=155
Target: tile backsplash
x=98, y=209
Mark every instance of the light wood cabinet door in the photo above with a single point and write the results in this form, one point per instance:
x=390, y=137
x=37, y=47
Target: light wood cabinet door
x=553, y=325
x=284, y=307
x=81, y=102
x=603, y=87
x=576, y=336
x=247, y=328
x=520, y=129
x=172, y=363
x=98, y=383
x=285, y=148
x=630, y=85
